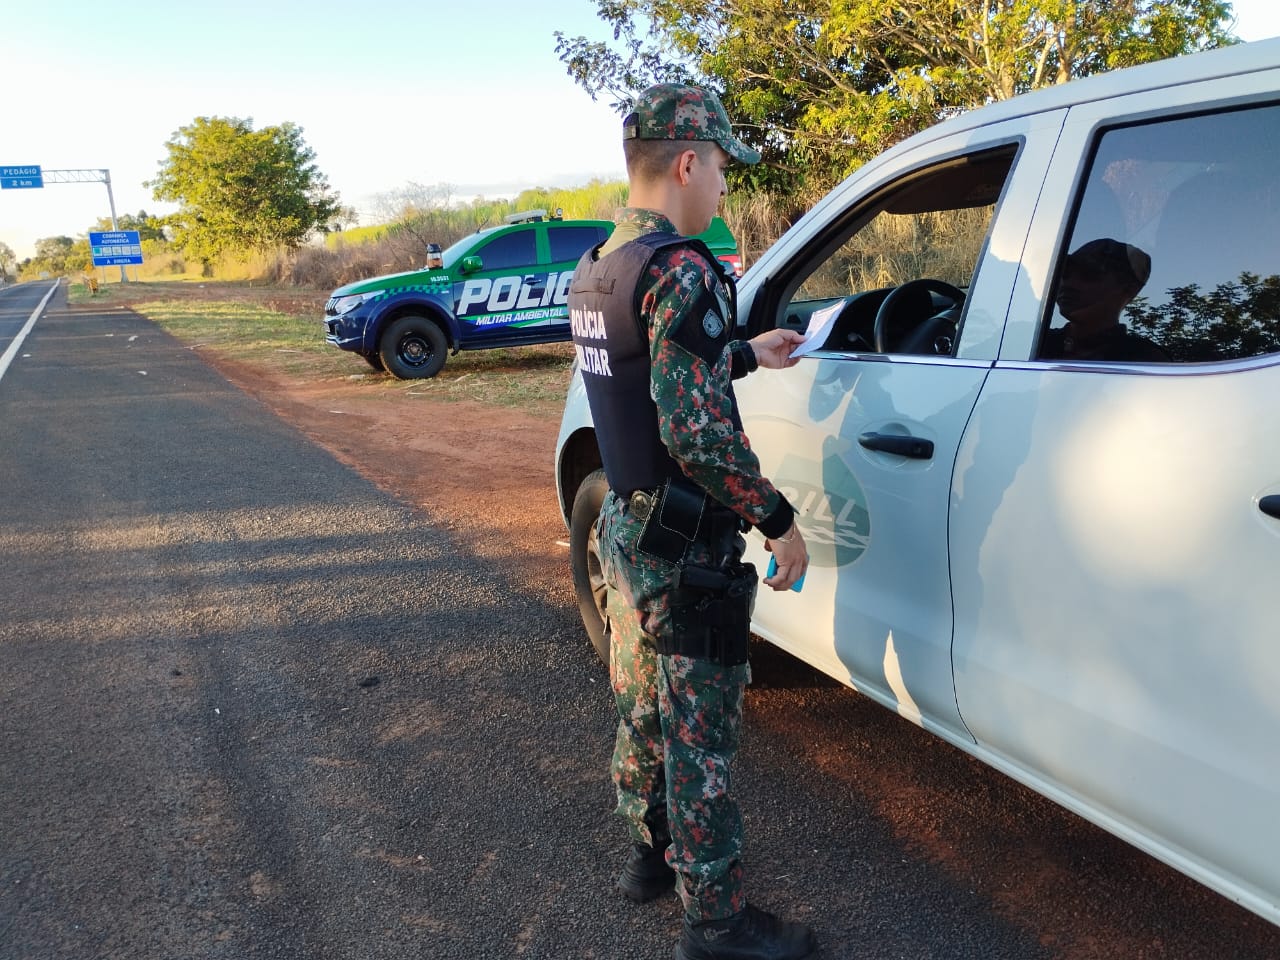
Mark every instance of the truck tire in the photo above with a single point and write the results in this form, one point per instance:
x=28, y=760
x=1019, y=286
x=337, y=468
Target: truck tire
x=584, y=560
x=413, y=348
x=374, y=360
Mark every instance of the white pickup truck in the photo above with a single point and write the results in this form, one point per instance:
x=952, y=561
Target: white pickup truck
x=1035, y=449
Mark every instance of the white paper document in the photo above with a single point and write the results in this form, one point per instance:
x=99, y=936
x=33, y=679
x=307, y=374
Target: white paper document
x=820, y=322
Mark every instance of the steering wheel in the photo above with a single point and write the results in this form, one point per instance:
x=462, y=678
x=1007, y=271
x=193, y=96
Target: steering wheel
x=901, y=295
x=842, y=328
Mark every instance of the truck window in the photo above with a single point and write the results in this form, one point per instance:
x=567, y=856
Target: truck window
x=926, y=232
x=515, y=249
x=570, y=243
x=1183, y=212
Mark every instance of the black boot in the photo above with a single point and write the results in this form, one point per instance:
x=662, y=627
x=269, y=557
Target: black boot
x=749, y=935
x=646, y=875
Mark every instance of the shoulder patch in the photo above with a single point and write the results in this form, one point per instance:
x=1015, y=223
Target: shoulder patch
x=702, y=329
x=701, y=326
x=712, y=324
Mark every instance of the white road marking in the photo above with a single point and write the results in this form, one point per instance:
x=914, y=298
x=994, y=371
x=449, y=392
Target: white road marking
x=26, y=328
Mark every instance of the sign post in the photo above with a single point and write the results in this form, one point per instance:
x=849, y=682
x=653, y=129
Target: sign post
x=31, y=176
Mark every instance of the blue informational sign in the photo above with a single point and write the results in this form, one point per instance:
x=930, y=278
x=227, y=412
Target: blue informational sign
x=115, y=247
x=16, y=178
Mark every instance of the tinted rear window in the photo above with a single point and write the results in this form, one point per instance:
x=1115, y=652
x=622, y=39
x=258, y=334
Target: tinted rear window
x=1188, y=206
x=516, y=249
x=570, y=243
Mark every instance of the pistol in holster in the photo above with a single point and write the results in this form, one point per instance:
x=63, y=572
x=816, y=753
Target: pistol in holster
x=711, y=613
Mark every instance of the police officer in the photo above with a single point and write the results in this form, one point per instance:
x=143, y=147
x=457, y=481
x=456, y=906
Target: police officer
x=651, y=313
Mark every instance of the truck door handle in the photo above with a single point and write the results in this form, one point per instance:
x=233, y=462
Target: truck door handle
x=902, y=446
x=1270, y=505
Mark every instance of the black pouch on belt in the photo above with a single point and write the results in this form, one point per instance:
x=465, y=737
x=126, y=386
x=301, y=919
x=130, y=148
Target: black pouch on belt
x=711, y=614
x=674, y=520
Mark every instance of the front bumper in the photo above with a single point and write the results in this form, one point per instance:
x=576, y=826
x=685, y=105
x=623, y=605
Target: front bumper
x=348, y=331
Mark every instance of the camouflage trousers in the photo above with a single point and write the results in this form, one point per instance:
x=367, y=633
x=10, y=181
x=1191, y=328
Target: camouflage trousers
x=679, y=720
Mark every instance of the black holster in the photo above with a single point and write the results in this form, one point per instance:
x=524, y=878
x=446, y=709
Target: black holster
x=711, y=613
x=710, y=605
x=679, y=512
x=674, y=520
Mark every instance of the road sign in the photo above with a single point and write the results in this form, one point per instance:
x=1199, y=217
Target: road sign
x=113, y=247
x=15, y=178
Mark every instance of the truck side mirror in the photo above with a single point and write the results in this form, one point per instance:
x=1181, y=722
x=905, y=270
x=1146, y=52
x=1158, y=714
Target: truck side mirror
x=471, y=264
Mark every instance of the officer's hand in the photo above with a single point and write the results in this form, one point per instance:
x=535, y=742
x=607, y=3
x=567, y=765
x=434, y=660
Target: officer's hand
x=773, y=348
x=792, y=557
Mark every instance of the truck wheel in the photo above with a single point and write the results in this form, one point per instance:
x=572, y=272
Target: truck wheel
x=374, y=360
x=413, y=348
x=584, y=560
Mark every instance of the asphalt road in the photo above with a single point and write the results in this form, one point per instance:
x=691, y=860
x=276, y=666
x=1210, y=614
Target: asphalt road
x=252, y=707
x=18, y=304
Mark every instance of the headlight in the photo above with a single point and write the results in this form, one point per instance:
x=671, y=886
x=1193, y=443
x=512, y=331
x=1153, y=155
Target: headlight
x=341, y=305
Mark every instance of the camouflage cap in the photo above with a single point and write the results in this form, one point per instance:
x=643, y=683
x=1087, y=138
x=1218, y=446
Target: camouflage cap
x=674, y=111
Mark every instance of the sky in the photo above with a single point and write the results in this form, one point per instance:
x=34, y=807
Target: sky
x=387, y=93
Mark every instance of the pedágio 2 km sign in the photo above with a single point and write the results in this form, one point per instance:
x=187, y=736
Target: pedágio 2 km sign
x=17, y=178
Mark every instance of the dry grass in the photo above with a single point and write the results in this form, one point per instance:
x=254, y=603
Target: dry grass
x=280, y=329
x=894, y=248
x=757, y=220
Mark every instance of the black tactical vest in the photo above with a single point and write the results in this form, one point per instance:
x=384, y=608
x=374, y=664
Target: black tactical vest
x=612, y=344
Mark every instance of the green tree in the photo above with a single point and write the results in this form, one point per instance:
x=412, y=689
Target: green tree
x=51, y=256
x=58, y=256
x=821, y=86
x=53, y=249
x=148, y=227
x=242, y=189
x=1236, y=319
x=8, y=261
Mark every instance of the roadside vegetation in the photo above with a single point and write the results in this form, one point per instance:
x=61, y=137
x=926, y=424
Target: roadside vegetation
x=278, y=331
x=818, y=86
x=245, y=264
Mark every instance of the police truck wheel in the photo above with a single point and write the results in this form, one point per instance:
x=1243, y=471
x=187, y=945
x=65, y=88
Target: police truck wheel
x=374, y=360
x=413, y=348
x=584, y=560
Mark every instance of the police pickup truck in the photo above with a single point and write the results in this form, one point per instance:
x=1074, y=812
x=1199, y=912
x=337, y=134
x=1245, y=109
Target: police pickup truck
x=1032, y=447
x=504, y=286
